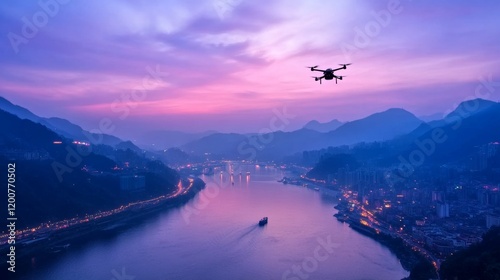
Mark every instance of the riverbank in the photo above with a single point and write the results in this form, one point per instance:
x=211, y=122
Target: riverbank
x=53, y=244
x=409, y=257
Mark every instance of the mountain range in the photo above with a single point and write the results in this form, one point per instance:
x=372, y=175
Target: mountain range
x=396, y=126
x=57, y=178
x=323, y=127
x=165, y=139
x=376, y=127
x=61, y=126
x=463, y=138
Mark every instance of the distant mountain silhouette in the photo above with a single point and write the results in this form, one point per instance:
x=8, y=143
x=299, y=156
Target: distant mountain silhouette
x=61, y=126
x=323, y=127
x=89, y=184
x=463, y=110
x=125, y=145
x=408, y=139
x=470, y=107
x=376, y=127
x=175, y=155
x=463, y=135
x=218, y=143
x=16, y=133
x=19, y=111
x=262, y=146
x=279, y=144
x=165, y=139
x=432, y=117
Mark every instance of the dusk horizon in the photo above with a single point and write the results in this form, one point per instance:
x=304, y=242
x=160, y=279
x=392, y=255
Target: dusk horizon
x=292, y=123
x=226, y=66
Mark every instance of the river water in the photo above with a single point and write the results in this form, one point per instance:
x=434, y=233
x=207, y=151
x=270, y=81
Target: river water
x=216, y=236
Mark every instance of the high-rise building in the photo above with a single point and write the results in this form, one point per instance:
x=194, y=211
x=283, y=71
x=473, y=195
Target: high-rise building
x=493, y=219
x=443, y=210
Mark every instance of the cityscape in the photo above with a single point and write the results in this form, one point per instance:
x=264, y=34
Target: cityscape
x=241, y=140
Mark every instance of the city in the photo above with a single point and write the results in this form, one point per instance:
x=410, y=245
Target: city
x=231, y=139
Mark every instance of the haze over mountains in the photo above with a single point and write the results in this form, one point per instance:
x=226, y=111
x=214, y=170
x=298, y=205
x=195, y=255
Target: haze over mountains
x=396, y=126
x=376, y=127
x=61, y=126
x=323, y=127
x=164, y=139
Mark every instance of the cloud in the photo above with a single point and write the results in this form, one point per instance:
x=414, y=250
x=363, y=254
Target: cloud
x=91, y=53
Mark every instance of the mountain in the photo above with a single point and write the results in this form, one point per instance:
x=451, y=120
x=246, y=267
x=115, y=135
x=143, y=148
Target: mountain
x=464, y=144
x=376, y=127
x=479, y=261
x=58, y=179
x=480, y=131
x=459, y=139
x=433, y=117
x=323, y=127
x=254, y=146
x=219, y=143
x=331, y=164
x=470, y=107
x=463, y=110
x=409, y=138
x=62, y=127
x=19, y=111
x=165, y=139
x=24, y=134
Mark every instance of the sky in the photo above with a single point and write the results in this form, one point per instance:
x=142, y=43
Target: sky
x=235, y=65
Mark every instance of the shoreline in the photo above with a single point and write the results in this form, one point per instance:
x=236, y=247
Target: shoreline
x=62, y=240
x=408, y=257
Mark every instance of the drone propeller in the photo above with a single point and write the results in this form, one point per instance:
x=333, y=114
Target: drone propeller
x=317, y=79
x=312, y=66
x=347, y=64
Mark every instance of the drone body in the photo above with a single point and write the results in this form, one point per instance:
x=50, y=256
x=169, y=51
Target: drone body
x=328, y=74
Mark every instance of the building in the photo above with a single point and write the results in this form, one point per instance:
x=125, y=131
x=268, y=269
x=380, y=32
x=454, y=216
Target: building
x=443, y=210
x=493, y=219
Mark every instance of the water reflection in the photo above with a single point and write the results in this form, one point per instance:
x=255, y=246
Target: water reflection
x=224, y=241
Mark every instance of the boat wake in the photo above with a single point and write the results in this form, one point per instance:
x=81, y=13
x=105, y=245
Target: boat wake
x=247, y=230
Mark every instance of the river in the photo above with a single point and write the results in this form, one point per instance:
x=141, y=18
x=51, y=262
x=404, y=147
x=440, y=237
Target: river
x=216, y=236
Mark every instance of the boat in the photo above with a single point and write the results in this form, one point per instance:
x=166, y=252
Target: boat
x=263, y=221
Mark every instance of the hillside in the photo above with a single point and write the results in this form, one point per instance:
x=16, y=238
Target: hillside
x=57, y=180
x=479, y=261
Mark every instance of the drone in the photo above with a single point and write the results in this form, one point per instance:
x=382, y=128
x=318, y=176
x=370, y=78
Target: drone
x=328, y=74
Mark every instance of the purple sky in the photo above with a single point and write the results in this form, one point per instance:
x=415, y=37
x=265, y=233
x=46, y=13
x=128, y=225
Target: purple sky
x=227, y=65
